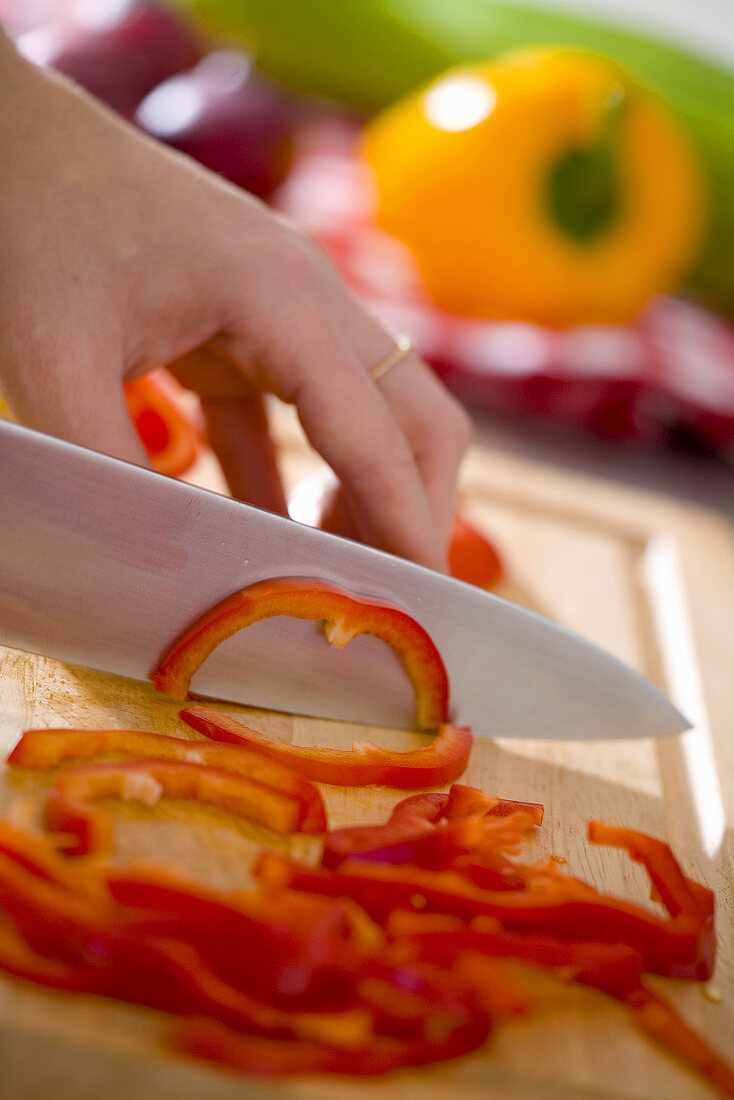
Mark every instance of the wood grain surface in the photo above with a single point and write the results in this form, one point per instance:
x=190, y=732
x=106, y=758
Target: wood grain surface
x=651, y=581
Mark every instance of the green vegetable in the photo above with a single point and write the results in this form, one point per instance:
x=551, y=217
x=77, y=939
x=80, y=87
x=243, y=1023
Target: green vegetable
x=366, y=53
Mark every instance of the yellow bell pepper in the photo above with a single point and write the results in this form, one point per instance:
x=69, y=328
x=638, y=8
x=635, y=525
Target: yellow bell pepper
x=547, y=186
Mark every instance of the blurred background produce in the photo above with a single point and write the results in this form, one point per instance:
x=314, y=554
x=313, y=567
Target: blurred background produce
x=117, y=49
x=553, y=224
x=546, y=186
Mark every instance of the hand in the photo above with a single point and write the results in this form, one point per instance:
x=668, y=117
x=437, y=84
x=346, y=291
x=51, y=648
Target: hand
x=118, y=255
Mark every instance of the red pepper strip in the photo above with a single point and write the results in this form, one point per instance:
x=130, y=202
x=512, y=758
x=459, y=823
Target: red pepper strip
x=412, y=818
x=205, y=1038
x=68, y=809
x=39, y=855
x=112, y=954
x=42, y=749
x=565, y=906
x=468, y=801
x=344, y=616
x=19, y=959
x=195, y=987
x=662, y=1022
x=673, y=889
x=440, y=762
x=171, y=441
x=691, y=908
x=493, y=991
x=611, y=967
x=297, y=953
x=472, y=557
x=165, y=973
x=49, y=917
x=435, y=848
x=430, y=807
x=300, y=951
x=490, y=870
x=59, y=940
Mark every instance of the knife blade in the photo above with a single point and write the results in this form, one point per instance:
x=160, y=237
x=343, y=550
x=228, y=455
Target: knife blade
x=103, y=563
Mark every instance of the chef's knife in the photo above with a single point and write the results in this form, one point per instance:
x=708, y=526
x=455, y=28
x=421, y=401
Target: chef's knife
x=103, y=563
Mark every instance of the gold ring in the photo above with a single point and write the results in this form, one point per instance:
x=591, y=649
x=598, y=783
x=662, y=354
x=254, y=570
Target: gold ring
x=403, y=346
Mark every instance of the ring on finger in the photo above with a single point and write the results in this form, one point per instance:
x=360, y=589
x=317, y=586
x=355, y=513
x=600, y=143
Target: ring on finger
x=403, y=347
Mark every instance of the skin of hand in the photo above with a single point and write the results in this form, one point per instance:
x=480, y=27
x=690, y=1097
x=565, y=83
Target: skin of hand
x=118, y=255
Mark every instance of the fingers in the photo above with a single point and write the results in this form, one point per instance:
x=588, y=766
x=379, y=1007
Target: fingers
x=347, y=420
x=237, y=428
x=435, y=425
x=437, y=429
x=239, y=435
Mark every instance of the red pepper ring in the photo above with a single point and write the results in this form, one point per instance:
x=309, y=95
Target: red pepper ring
x=344, y=616
x=67, y=809
x=440, y=762
x=42, y=749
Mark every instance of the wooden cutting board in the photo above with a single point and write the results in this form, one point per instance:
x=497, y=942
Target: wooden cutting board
x=648, y=579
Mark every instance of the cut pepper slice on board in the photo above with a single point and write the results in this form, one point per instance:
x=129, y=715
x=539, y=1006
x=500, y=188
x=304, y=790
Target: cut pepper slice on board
x=47, y=748
x=431, y=831
x=344, y=617
x=554, y=904
x=607, y=966
x=68, y=808
x=440, y=762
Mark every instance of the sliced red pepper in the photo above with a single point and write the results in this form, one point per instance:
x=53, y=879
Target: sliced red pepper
x=433, y=849
x=296, y=953
x=18, y=958
x=82, y=950
x=154, y=940
x=205, y=1038
x=411, y=818
x=493, y=991
x=690, y=905
x=472, y=557
x=607, y=966
x=490, y=870
x=344, y=616
x=564, y=906
x=414, y=833
x=675, y=891
x=51, y=919
x=38, y=854
x=42, y=749
x=467, y=801
x=171, y=442
x=68, y=809
x=444, y=760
